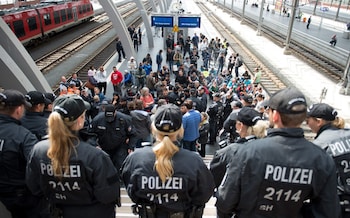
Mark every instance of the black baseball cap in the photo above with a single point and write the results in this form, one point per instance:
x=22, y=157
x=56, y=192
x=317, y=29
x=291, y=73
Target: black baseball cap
x=248, y=116
x=50, y=96
x=70, y=107
x=11, y=97
x=168, y=118
x=109, y=113
x=284, y=101
x=247, y=98
x=323, y=111
x=36, y=97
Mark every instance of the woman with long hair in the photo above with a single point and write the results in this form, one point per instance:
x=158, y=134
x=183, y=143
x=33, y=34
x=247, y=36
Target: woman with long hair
x=78, y=179
x=165, y=179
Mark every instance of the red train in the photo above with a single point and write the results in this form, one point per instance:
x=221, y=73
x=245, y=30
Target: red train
x=37, y=22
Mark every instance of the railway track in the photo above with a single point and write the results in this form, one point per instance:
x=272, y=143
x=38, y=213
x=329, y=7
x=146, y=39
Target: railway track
x=270, y=80
x=104, y=52
x=324, y=65
x=53, y=58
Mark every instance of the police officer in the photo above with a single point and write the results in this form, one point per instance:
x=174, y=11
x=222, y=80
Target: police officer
x=197, y=103
x=230, y=122
x=248, y=130
x=323, y=120
x=78, y=179
x=215, y=112
x=158, y=178
x=34, y=119
x=114, y=133
x=16, y=142
x=273, y=176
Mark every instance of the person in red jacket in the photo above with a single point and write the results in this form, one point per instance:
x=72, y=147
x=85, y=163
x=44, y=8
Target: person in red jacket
x=116, y=79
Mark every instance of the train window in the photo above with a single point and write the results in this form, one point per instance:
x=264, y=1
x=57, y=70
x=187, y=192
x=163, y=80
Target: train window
x=84, y=9
x=80, y=9
x=88, y=8
x=32, y=23
x=47, y=19
x=63, y=15
x=56, y=17
x=19, y=28
x=69, y=13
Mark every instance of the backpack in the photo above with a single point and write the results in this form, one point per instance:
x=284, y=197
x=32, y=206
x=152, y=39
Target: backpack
x=240, y=63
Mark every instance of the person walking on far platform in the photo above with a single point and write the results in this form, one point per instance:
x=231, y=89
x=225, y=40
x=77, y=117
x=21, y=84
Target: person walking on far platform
x=135, y=39
x=333, y=40
x=159, y=60
x=120, y=50
x=308, y=22
x=139, y=32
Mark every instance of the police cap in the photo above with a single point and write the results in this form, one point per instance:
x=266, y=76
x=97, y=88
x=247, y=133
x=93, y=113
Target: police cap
x=323, y=111
x=168, y=118
x=70, y=107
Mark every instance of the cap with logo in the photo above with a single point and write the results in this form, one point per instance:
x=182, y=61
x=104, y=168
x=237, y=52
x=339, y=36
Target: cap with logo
x=247, y=98
x=109, y=113
x=168, y=118
x=285, y=100
x=70, y=107
x=11, y=98
x=323, y=111
x=36, y=97
x=248, y=116
x=50, y=96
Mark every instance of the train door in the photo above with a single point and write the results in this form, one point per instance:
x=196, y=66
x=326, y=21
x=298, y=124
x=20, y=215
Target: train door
x=75, y=14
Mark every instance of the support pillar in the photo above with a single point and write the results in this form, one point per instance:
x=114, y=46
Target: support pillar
x=146, y=23
x=154, y=6
x=119, y=26
x=17, y=66
x=261, y=18
x=290, y=28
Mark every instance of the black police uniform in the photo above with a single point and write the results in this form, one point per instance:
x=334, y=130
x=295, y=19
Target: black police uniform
x=223, y=157
x=272, y=177
x=90, y=189
x=190, y=187
x=337, y=143
x=112, y=136
x=230, y=125
x=36, y=122
x=215, y=112
x=16, y=142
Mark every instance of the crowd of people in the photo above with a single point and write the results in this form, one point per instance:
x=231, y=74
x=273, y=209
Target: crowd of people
x=67, y=156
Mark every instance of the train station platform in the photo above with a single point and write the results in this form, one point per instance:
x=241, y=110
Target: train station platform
x=298, y=72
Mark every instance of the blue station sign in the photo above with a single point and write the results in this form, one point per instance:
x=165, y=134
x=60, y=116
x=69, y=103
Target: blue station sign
x=162, y=21
x=189, y=22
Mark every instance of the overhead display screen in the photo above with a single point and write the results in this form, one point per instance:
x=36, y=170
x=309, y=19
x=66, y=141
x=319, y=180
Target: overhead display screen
x=189, y=22
x=162, y=21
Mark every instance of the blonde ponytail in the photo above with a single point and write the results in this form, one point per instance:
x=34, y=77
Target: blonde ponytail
x=164, y=151
x=61, y=141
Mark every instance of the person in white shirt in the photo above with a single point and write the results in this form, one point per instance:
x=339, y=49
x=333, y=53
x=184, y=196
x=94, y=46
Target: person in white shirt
x=101, y=77
x=132, y=67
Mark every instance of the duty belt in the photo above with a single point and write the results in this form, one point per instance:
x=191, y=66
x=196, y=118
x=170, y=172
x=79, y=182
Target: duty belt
x=151, y=211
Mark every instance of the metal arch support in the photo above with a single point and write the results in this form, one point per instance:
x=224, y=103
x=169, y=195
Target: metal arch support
x=145, y=22
x=20, y=69
x=154, y=6
x=119, y=26
x=162, y=5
